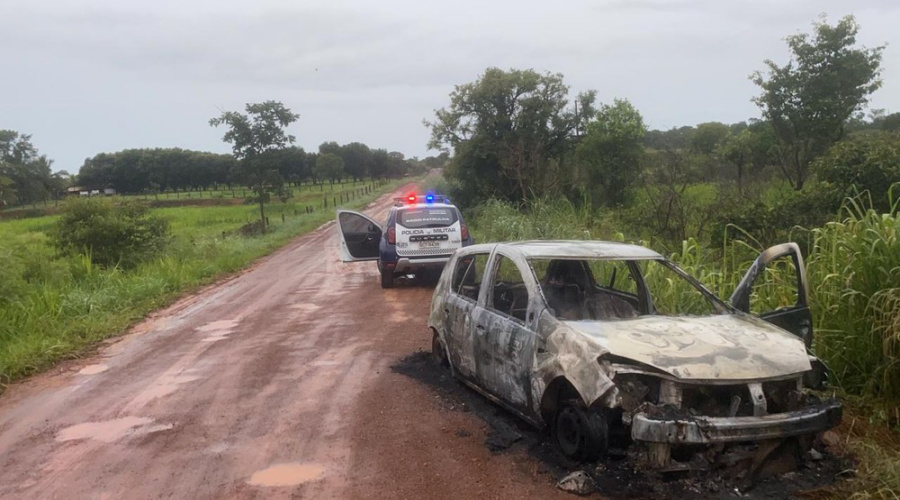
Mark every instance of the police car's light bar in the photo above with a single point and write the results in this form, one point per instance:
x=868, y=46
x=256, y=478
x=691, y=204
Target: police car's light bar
x=414, y=198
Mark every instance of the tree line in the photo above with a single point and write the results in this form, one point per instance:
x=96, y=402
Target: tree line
x=165, y=169
x=518, y=135
x=26, y=176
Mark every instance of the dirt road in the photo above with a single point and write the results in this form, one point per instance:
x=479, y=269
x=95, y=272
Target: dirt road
x=280, y=382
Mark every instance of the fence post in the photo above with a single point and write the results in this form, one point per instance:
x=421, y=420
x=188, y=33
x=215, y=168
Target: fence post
x=282, y=216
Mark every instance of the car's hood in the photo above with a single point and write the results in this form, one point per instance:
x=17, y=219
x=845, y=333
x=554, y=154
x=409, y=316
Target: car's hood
x=727, y=346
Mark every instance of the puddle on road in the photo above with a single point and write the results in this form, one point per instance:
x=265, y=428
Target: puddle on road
x=306, y=307
x=217, y=330
x=225, y=324
x=93, y=369
x=287, y=474
x=111, y=430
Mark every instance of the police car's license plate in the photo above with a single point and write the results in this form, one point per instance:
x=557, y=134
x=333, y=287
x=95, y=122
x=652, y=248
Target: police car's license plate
x=429, y=244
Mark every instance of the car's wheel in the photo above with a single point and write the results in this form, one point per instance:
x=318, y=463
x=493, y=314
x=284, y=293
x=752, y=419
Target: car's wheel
x=580, y=434
x=438, y=354
x=387, y=279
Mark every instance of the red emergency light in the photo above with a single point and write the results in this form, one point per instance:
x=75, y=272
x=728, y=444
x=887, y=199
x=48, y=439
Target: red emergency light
x=411, y=198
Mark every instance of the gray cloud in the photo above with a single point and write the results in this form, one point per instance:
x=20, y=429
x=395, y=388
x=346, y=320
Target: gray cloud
x=102, y=75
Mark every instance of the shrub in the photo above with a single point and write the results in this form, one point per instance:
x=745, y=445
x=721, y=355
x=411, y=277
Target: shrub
x=866, y=163
x=121, y=234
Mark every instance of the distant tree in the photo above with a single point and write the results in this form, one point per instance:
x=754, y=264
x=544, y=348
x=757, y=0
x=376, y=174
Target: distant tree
x=675, y=138
x=381, y=163
x=737, y=150
x=509, y=131
x=809, y=100
x=709, y=136
x=252, y=135
x=611, y=152
x=27, y=173
x=357, y=160
x=867, y=163
x=890, y=122
x=329, y=166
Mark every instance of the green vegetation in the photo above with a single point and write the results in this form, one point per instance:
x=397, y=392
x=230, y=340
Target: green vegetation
x=110, y=234
x=254, y=137
x=812, y=169
x=53, y=306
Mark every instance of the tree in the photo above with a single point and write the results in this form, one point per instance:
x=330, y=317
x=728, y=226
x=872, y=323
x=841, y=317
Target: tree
x=357, y=160
x=253, y=134
x=509, y=131
x=329, y=166
x=737, y=150
x=867, y=163
x=25, y=173
x=809, y=100
x=611, y=152
x=709, y=136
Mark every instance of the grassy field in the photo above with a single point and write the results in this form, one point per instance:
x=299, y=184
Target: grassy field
x=313, y=195
x=52, y=307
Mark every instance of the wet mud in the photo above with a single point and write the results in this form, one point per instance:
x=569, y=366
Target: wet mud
x=619, y=475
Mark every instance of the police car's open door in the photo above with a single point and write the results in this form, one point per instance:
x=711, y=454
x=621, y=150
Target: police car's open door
x=360, y=236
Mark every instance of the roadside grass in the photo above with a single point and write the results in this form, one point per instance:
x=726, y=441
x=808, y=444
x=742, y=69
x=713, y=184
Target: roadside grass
x=53, y=307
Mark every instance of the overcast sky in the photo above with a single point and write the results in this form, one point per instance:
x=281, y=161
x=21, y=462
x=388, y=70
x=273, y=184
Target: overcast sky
x=91, y=76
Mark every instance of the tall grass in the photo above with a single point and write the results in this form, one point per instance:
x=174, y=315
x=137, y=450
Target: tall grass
x=53, y=306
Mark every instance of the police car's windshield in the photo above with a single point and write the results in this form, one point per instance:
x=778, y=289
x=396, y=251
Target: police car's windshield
x=426, y=217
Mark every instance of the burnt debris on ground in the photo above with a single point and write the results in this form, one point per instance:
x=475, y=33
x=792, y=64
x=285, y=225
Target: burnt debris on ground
x=618, y=476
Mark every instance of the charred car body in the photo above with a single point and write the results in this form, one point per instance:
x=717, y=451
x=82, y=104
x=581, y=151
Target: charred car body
x=577, y=336
x=420, y=234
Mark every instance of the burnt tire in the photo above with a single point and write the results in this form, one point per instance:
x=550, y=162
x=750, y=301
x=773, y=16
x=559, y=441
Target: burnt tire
x=578, y=433
x=438, y=354
x=387, y=279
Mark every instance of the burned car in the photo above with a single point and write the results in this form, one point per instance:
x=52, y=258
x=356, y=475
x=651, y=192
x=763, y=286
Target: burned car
x=612, y=346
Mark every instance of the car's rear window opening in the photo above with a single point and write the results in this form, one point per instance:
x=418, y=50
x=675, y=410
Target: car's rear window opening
x=426, y=217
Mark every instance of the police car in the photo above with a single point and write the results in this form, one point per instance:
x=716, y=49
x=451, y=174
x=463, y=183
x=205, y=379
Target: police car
x=421, y=233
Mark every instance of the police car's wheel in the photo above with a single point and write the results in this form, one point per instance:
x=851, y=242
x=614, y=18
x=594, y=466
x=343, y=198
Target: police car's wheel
x=437, y=351
x=387, y=279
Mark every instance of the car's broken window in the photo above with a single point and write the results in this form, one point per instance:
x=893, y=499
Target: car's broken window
x=508, y=293
x=673, y=294
x=468, y=275
x=574, y=292
x=607, y=289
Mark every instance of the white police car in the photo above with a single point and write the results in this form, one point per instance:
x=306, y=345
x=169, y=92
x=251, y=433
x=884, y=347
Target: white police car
x=420, y=235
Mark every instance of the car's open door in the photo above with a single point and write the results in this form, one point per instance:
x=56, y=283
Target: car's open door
x=790, y=308
x=360, y=236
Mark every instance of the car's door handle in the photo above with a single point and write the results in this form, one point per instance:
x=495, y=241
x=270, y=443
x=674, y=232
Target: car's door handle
x=541, y=350
x=479, y=327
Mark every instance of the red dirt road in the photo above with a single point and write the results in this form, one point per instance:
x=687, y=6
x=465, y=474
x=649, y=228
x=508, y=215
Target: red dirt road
x=274, y=384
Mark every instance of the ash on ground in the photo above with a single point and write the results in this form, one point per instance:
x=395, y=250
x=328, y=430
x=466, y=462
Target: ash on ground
x=620, y=475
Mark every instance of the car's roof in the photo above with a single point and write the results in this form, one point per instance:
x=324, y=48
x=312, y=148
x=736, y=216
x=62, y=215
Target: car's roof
x=571, y=249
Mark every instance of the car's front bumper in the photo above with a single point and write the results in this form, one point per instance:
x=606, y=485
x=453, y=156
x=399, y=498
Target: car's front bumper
x=676, y=430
